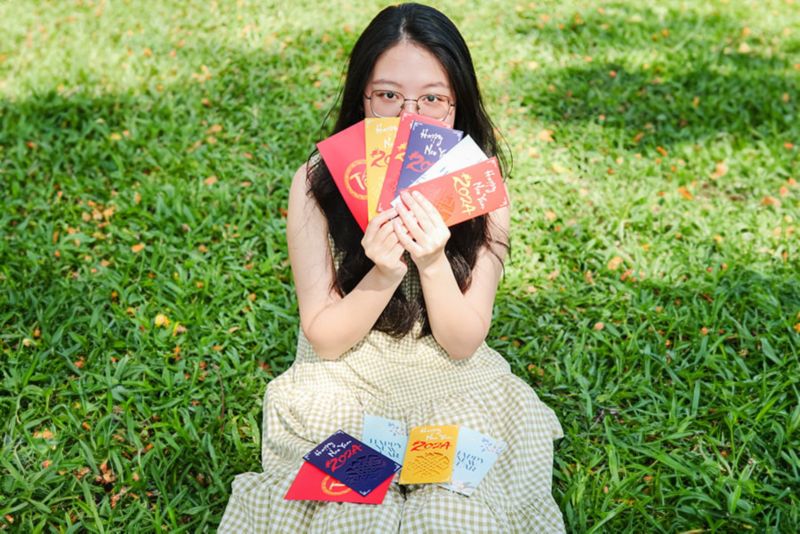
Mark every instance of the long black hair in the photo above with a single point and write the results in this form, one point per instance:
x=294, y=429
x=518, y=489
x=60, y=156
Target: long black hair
x=430, y=29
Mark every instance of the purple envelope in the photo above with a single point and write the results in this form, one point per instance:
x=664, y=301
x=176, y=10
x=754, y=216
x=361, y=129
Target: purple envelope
x=352, y=463
x=427, y=143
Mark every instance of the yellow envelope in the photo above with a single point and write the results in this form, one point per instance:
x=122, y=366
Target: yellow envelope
x=430, y=455
x=379, y=138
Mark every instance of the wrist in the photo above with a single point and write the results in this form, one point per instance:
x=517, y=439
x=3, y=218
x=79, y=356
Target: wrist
x=435, y=266
x=390, y=277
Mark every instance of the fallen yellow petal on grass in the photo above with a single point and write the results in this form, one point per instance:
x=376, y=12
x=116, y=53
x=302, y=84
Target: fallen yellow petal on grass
x=614, y=263
x=546, y=136
x=161, y=320
x=685, y=193
x=138, y=247
x=720, y=170
x=178, y=329
x=43, y=434
x=115, y=497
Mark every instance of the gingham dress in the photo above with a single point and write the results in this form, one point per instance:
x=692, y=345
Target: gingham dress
x=412, y=380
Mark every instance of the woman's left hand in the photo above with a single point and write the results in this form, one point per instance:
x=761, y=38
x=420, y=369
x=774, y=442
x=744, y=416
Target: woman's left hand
x=421, y=230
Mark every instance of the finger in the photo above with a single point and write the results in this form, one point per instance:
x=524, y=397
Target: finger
x=385, y=230
x=410, y=222
x=391, y=238
x=378, y=231
x=397, y=251
x=419, y=212
x=379, y=220
x=405, y=239
x=429, y=208
x=384, y=216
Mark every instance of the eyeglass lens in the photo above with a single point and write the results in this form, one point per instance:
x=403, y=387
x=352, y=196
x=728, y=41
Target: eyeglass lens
x=391, y=103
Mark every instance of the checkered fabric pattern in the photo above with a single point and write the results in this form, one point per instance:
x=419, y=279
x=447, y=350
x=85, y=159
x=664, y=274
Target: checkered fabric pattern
x=412, y=380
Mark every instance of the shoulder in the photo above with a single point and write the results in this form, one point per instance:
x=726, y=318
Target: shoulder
x=304, y=214
x=300, y=179
x=499, y=222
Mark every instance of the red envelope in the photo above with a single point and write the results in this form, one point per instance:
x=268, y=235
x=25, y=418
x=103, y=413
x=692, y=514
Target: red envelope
x=467, y=192
x=312, y=484
x=398, y=155
x=344, y=154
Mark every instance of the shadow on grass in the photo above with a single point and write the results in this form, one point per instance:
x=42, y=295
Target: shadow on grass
x=172, y=411
x=690, y=81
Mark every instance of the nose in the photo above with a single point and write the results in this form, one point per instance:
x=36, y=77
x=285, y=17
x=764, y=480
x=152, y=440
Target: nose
x=412, y=103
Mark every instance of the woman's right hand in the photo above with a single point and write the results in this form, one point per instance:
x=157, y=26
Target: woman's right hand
x=382, y=246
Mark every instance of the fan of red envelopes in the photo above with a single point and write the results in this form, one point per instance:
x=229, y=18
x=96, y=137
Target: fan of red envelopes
x=375, y=159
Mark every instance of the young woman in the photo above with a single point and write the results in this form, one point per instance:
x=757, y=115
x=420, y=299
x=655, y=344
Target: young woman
x=393, y=319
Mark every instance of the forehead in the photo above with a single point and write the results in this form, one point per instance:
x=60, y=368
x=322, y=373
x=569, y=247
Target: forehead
x=407, y=66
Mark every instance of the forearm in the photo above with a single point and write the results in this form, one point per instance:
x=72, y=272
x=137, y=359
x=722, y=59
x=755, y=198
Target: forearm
x=342, y=324
x=455, y=324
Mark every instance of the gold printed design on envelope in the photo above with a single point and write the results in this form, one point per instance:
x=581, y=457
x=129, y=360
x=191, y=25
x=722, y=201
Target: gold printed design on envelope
x=431, y=464
x=331, y=486
x=355, y=179
x=446, y=207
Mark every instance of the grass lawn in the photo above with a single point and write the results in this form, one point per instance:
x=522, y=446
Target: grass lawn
x=652, y=298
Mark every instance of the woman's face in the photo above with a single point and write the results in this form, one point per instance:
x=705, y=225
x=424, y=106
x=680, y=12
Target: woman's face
x=412, y=71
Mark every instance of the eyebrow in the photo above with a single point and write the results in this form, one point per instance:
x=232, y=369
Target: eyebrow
x=384, y=81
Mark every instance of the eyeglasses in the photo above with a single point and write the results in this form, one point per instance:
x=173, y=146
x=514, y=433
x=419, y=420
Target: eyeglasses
x=385, y=103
